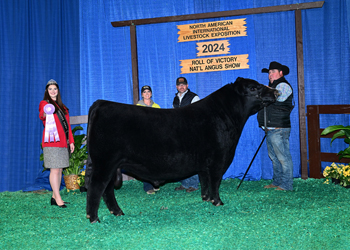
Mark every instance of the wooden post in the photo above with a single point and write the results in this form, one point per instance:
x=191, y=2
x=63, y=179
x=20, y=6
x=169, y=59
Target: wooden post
x=301, y=94
x=313, y=128
x=134, y=62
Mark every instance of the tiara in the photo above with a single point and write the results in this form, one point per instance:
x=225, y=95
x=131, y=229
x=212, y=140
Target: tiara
x=52, y=81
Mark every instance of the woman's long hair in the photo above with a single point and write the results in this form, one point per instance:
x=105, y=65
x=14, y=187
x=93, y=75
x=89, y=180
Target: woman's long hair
x=58, y=101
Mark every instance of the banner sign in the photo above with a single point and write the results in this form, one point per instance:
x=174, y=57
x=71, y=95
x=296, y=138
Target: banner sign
x=210, y=64
x=213, y=48
x=212, y=30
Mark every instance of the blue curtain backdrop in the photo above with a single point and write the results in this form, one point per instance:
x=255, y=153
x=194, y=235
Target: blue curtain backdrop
x=39, y=41
x=74, y=43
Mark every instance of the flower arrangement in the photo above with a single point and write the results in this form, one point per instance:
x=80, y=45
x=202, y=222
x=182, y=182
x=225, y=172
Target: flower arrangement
x=81, y=179
x=345, y=175
x=338, y=172
x=331, y=172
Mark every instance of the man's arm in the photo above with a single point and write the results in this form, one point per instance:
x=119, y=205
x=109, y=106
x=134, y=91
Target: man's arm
x=285, y=91
x=195, y=99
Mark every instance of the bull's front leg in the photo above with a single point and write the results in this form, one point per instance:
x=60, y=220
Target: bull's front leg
x=214, y=188
x=204, y=181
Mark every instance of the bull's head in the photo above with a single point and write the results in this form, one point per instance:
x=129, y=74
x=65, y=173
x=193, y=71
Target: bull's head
x=265, y=95
x=258, y=95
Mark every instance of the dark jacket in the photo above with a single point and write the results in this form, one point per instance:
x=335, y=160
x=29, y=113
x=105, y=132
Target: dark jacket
x=186, y=100
x=278, y=113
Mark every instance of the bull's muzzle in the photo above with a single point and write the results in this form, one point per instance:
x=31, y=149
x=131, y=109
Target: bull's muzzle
x=277, y=93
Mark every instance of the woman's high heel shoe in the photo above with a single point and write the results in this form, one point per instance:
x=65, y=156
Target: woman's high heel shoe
x=54, y=203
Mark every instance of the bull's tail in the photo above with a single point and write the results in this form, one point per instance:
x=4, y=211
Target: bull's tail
x=118, y=180
x=89, y=163
x=91, y=116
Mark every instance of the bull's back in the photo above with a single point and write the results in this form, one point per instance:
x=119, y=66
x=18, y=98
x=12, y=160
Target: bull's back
x=152, y=137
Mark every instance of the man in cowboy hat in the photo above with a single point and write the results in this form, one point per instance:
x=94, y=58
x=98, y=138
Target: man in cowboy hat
x=278, y=127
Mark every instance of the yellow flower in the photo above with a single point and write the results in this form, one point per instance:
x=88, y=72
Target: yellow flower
x=83, y=173
x=347, y=173
x=325, y=171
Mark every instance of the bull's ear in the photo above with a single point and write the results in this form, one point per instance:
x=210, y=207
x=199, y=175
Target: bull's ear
x=239, y=86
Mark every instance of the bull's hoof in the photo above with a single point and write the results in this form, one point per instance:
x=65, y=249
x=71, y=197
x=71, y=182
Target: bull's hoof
x=120, y=213
x=217, y=203
x=95, y=221
x=205, y=198
x=92, y=220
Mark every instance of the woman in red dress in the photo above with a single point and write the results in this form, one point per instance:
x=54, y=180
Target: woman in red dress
x=57, y=139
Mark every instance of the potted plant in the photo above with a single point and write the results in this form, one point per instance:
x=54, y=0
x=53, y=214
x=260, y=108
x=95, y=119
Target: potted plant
x=344, y=177
x=81, y=181
x=339, y=173
x=76, y=161
x=332, y=173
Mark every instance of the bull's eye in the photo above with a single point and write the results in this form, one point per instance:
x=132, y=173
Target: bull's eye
x=252, y=88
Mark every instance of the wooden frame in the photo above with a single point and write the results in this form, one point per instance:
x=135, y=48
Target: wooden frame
x=270, y=9
x=314, y=137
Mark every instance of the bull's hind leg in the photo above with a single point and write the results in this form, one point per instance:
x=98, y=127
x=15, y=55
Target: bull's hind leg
x=109, y=199
x=101, y=177
x=93, y=198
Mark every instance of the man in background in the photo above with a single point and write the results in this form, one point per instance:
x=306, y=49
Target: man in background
x=183, y=98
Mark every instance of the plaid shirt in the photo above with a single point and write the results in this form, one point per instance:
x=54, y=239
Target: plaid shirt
x=285, y=91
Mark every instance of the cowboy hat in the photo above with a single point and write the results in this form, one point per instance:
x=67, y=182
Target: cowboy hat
x=276, y=65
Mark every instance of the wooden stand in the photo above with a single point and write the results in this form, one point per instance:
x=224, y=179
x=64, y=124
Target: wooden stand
x=314, y=136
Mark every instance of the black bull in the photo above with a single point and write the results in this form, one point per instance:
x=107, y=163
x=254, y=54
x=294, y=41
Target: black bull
x=162, y=145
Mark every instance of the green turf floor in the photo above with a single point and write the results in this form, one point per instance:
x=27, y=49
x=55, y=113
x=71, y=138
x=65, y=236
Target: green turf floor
x=313, y=216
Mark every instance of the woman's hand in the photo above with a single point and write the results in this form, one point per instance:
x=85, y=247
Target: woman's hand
x=71, y=147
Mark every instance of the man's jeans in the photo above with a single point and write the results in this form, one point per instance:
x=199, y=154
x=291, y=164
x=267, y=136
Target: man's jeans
x=147, y=186
x=277, y=141
x=190, y=182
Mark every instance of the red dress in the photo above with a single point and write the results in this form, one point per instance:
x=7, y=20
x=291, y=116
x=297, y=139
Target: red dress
x=62, y=143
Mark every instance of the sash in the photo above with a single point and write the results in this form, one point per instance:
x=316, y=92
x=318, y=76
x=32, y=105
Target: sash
x=65, y=127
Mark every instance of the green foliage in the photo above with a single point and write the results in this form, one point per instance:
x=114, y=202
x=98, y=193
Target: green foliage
x=42, y=158
x=342, y=131
x=78, y=157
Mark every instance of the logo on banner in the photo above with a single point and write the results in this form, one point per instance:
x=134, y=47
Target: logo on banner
x=214, y=64
x=213, y=30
